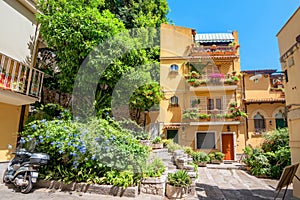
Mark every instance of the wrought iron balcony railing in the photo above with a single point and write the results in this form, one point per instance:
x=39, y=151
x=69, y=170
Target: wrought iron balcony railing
x=212, y=50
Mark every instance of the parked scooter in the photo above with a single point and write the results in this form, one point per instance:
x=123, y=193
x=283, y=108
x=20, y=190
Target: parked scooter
x=23, y=169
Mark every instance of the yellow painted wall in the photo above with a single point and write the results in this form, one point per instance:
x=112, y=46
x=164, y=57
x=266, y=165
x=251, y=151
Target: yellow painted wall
x=286, y=39
x=269, y=111
x=9, y=125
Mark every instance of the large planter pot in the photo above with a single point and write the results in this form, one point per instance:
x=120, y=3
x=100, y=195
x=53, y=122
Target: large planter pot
x=173, y=192
x=157, y=146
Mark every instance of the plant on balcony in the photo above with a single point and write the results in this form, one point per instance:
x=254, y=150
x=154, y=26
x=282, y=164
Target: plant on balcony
x=215, y=78
x=229, y=81
x=238, y=113
x=190, y=114
x=235, y=78
x=233, y=104
x=194, y=74
x=204, y=116
x=191, y=81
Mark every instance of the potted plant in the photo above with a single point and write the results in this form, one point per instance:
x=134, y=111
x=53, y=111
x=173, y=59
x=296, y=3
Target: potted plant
x=157, y=143
x=200, y=158
x=216, y=158
x=178, y=184
x=191, y=81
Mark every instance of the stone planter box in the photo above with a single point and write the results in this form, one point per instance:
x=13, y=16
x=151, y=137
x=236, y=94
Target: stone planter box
x=216, y=161
x=173, y=192
x=157, y=146
x=201, y=164
x=89, y=188
x=154, y=185
x=145, y=142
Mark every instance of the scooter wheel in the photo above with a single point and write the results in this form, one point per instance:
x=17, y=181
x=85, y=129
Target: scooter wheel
x=26, y=189
x=3, y=175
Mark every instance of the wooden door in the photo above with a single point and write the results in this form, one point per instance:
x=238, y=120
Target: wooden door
x=228, y=146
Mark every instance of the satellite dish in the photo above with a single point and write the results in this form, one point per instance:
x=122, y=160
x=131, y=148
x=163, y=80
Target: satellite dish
x=255, y=77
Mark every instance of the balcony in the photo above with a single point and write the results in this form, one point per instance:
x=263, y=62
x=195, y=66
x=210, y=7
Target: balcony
x=213, y=117
x=19, y=84
x=213, y=51
x=212, y=82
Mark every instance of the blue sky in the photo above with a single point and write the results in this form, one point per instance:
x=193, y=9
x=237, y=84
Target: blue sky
x=257, y=22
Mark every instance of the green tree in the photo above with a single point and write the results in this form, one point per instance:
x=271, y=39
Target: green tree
x=74, y=28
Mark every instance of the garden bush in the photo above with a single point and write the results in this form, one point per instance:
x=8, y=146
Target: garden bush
x=86, y=152
x=272, y=157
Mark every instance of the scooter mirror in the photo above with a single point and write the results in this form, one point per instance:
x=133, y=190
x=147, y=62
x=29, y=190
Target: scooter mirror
x=9, y=146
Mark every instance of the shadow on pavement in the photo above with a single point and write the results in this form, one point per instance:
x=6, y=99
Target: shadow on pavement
x=208, y=192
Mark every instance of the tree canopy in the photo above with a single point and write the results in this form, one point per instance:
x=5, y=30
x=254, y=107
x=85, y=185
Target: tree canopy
x=73, y=29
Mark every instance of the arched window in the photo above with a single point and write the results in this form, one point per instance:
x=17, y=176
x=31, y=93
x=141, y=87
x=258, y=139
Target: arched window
x=280, y=120
x=174, y=68
x=259, y=123
x=174, y=101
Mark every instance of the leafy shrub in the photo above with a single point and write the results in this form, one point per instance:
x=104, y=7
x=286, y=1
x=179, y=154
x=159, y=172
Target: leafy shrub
x=155, y=169
x=188, y=150
x=49, y=112
x=172, y=146
x=216, y=156
x=166, y=142
x=84, y=152
x=156, y=140
x=200, y=157
x=179, y=179
x=276, y=139
x=122, y=179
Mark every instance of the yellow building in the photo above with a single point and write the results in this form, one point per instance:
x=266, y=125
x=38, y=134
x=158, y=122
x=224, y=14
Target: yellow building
x=289, y=48
x=264, y=102
x=199, y=75
x=20, y=83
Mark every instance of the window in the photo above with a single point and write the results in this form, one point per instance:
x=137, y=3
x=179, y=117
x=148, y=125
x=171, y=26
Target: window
x=173, y=134
x=280, y=120
x=205, y=140
x=195, y=102
x=259, y=123
x=174, y=68
x=214, y=104
x=174, y=101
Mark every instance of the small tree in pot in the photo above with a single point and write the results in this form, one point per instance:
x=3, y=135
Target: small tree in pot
x=157, y=143
x=178, y=184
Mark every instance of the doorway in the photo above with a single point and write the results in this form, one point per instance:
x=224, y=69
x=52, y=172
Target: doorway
x=228, y=147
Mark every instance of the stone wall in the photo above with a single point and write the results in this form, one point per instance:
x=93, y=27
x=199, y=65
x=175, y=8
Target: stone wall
x=155, y=186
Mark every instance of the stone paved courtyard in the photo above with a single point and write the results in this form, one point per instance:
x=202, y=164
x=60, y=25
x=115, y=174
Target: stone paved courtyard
x=215, y=183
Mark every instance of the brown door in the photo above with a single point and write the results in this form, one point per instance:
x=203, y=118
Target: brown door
x=228, y=146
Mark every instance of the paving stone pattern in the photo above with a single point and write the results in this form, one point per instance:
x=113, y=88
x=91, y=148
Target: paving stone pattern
x=233, y=184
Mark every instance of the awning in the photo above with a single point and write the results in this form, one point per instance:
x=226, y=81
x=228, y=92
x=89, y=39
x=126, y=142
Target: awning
x=214, y=37
x=265, y=100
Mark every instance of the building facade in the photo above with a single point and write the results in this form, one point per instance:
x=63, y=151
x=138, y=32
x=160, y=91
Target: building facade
x=201, y=80
x=289, y=48
x=264, y=102
x=20, y=82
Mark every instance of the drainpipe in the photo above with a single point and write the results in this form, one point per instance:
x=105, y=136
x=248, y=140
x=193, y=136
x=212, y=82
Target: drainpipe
x=246, y=110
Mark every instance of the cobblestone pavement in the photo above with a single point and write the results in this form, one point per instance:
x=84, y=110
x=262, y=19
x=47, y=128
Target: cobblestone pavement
x=234, y=184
